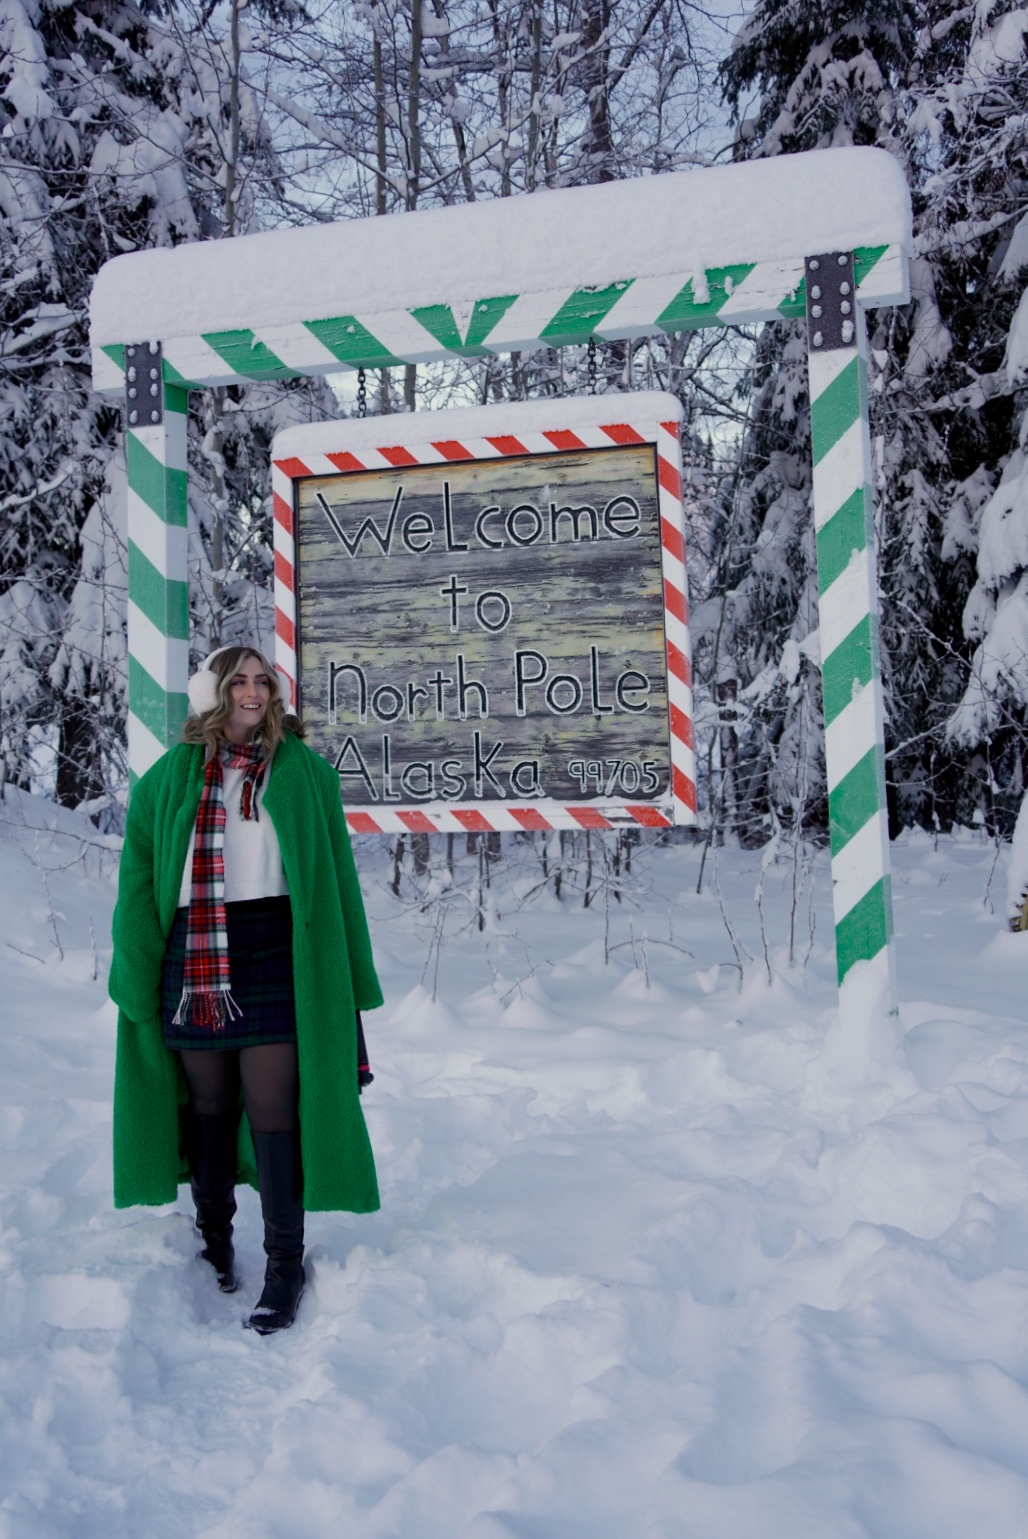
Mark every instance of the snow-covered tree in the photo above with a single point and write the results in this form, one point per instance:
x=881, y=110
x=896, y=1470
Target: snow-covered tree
x=983, y=186
x=122, y=125
x=802, y=74
x=407, y=104
x=942, y=88
x=90, y=164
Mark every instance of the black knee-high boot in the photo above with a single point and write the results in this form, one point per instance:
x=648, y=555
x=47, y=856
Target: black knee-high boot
x=280, y=1176
x=212, y=1168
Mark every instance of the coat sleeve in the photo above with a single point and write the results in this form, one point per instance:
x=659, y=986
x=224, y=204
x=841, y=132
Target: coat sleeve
x=367, y=991
x=135, y=979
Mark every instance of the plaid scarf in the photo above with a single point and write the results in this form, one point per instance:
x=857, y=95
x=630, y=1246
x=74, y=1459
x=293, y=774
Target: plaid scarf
x=206, y=985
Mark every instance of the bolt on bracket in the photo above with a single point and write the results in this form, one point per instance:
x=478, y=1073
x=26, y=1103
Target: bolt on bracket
x=831, y=301
x=144, y=384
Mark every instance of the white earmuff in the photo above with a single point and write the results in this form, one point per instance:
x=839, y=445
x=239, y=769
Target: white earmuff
x=202, y=688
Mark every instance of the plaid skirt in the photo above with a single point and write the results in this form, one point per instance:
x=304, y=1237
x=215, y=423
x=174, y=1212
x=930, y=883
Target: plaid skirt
x=260, y=950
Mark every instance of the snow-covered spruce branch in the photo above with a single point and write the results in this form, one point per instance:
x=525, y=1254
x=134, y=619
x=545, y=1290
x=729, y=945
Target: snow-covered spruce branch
x=42, y=489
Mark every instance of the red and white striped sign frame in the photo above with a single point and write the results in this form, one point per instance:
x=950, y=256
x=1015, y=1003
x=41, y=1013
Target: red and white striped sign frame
x=538, y=814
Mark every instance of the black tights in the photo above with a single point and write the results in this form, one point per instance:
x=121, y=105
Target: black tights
x=269, y=1075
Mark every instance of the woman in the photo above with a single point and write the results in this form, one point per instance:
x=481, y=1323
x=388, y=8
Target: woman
x=241, y=959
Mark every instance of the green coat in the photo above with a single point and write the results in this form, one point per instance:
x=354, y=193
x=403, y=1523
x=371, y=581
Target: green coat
x=333, y=974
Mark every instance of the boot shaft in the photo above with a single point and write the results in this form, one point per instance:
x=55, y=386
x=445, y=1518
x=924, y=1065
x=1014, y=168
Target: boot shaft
x=211, y=1151
x=280, y=1177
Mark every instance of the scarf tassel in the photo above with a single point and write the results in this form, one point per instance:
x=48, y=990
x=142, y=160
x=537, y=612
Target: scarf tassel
x=210, y=1008
x=248, y=800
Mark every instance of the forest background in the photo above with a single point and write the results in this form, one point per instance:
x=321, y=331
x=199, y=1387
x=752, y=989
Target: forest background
x=127, y=124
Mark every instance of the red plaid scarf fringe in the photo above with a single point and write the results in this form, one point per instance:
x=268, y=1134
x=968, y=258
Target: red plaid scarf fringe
x=206, y=983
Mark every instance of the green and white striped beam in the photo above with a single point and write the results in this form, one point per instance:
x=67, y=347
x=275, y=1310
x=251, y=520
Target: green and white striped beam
x=743, y=293
x=615, y=260
x=848, y=613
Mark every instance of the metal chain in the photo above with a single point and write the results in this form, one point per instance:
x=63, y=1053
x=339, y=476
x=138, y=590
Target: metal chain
x=592, y=365
x=362, y=393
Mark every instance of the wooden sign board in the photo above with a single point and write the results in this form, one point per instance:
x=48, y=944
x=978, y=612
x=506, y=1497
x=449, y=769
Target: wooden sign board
x=483, y=622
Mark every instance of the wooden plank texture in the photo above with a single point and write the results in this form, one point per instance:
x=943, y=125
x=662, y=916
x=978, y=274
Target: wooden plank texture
x=448, y=609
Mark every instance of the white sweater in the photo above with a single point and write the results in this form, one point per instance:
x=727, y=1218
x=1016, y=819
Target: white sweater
x=253, y=859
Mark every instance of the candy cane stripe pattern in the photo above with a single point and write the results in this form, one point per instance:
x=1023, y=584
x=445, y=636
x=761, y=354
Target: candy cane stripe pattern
x=848, y=606
x=630, y=308
x=158, y=604
x=284, y=536
x=362, y=455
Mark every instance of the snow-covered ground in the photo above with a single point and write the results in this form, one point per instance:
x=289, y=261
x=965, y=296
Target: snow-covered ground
x=640, y=1268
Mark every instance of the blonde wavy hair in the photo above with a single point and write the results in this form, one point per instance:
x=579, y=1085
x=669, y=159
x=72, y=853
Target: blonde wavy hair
x=209, y=727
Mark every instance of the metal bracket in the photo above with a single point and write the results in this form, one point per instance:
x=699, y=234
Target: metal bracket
x=831, y=301
x=144, y=384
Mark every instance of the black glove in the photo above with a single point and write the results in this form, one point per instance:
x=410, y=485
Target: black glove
x=364, y=1074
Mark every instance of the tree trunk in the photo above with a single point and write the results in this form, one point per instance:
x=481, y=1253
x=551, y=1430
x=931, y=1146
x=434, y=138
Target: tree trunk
x=599, y=145
x=380, y=119
x=78, y=764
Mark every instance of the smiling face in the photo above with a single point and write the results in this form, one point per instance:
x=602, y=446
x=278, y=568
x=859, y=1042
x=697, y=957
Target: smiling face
x=250, y=690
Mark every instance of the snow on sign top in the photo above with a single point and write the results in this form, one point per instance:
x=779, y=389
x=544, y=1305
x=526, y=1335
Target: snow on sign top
x=679, y=223
x=463, y=423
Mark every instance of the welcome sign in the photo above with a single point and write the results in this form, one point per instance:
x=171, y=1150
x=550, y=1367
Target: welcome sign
x=486, y=632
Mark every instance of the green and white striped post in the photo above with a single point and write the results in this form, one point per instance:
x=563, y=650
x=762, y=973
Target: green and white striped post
x=848, y=611
x=158, y=603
